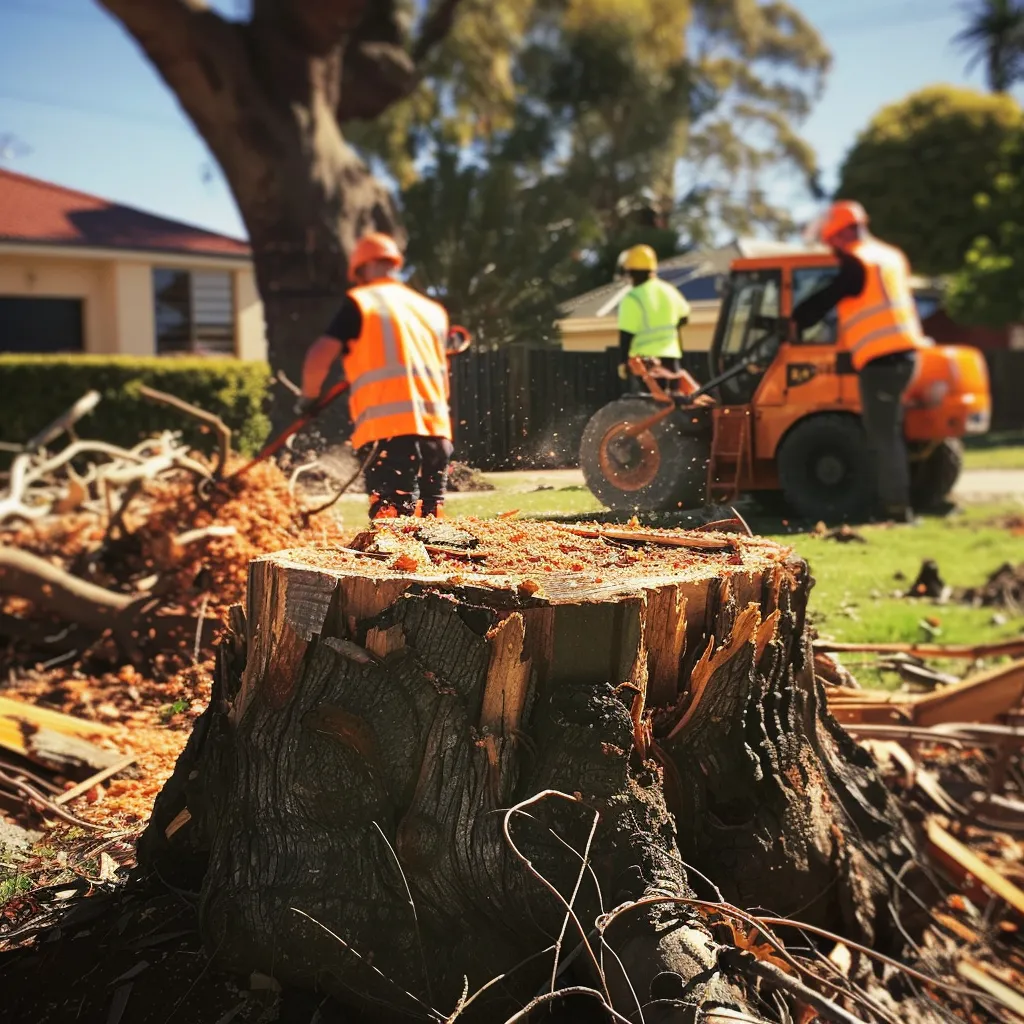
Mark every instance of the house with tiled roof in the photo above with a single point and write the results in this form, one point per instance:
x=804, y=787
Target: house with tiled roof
x=83, y=274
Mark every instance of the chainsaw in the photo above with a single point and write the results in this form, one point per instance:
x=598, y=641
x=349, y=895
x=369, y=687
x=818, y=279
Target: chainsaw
x=458, y=341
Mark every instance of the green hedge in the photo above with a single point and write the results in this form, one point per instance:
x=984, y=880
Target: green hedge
x=34, y=390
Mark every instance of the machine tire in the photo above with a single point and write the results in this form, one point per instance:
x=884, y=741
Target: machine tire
x=669, y=467
x=933, y=478
x=826, y=470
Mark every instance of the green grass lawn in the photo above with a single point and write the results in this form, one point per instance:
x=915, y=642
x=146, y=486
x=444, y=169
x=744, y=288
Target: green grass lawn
x=853, y=594
x=1000, y=450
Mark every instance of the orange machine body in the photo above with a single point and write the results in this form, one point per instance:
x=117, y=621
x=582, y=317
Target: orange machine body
x=948, y=398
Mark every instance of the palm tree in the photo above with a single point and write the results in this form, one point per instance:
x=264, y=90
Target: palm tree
x=995, y=34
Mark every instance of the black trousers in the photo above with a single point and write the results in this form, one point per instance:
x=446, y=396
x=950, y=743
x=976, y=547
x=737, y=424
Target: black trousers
x=405, y=470
x=883, y=382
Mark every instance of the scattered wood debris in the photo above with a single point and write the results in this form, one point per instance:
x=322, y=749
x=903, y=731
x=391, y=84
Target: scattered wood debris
x=109, y=555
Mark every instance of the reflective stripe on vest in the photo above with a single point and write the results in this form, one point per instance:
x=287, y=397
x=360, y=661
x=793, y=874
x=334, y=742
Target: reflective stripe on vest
x=883, y=319
x=405, y=390
x=658, y=342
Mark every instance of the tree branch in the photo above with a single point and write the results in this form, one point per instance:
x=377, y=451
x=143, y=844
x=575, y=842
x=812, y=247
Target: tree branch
x=381, y=66
x=202, y=58
x=317, y=26
x=436, y=27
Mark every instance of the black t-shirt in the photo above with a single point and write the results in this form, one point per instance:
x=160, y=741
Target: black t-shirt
x=347, y=324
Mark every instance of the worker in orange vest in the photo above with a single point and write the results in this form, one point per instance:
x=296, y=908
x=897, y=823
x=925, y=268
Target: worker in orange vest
x=391, y=341
x=881, y=331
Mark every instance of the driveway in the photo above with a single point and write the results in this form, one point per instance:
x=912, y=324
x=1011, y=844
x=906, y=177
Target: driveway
x=991, y=483
x=974, y=483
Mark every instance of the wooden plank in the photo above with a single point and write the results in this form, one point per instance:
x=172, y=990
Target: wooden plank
x=976, y=974
x=94, y=780
x=51, y=738
x=963, y=864
x=985, y=697
x=1003, y=649
x=45, y=718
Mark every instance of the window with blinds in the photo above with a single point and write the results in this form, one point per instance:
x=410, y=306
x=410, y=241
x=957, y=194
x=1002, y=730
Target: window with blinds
x=195, y=311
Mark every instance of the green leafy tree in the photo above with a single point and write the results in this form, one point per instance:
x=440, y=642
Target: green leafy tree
x=604, y=123
x=989, y=288
x=920, y=163
x=499, y=251
x=994, y=34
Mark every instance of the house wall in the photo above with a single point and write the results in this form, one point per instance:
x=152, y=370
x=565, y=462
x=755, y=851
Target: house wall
x=116, y=289
x=250, y=330
x=32, y=276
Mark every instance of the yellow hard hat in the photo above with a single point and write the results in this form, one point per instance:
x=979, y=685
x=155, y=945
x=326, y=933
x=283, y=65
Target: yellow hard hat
x=641, y=257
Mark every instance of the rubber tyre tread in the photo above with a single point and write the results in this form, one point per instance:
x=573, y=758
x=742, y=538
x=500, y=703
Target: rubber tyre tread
x=681, y=481
x=813, y=437
x=933, y=479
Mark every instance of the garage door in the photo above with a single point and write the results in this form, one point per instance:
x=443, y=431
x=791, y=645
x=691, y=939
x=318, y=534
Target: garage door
x=40, y=325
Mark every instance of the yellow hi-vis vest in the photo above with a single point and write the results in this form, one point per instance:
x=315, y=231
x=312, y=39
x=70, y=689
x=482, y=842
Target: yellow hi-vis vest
x=397, y=367
x=883, y=319
x=651, y=313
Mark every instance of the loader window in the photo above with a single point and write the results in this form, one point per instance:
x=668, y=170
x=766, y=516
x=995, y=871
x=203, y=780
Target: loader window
x=753, y=295
x=806, y=282
x=750, y=313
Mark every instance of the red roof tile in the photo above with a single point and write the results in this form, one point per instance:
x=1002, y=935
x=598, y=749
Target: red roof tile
x=36, y=211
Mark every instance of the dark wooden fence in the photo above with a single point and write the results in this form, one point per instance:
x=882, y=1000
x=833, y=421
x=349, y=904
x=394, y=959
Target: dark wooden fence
x=525, y=408
x=1006, y=373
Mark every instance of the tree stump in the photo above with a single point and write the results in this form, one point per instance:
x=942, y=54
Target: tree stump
x=345, y=800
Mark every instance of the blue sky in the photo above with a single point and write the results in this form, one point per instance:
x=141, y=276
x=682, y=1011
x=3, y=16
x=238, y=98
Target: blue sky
x=90, y=113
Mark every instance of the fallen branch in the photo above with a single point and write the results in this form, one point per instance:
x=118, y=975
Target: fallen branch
x=13, y=506
x=64, y=422
x=75, y=600
x=52, y=589
x=209, y=418
x=643, y=537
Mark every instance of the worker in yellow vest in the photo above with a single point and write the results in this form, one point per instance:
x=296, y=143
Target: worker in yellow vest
x=391, y=341
x=881, y=330
x=652, y=315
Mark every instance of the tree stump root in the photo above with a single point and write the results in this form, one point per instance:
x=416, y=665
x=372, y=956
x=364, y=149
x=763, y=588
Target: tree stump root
x=360, y=801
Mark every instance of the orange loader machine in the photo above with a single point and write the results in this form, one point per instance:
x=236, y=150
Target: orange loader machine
x=786, y=415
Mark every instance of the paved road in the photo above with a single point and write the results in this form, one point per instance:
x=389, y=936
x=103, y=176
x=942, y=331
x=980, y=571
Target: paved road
x=991, y=483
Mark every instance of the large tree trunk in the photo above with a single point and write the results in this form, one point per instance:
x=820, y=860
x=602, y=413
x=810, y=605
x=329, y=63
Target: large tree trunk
x=371, y=729
x=269, y=97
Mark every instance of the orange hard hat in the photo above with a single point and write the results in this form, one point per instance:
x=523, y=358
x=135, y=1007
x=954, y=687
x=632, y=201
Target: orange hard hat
x=842, y=215
x=374, y=246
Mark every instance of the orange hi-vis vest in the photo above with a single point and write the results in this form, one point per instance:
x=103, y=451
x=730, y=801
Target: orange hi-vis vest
x=883, y=319
x=397, y=368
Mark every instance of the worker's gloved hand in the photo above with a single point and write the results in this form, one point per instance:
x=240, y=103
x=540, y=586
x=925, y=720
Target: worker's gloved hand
x=304, y=406
x=623, y=371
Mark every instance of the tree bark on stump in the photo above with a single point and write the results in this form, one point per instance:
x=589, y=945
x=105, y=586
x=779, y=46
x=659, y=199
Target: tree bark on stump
x=343, y=800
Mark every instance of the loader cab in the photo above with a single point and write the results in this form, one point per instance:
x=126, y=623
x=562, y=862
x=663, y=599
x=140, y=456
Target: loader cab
x=805, y=369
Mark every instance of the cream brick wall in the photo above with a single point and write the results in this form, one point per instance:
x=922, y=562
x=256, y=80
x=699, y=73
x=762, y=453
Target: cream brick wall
x=116, y=289
x=34, y=276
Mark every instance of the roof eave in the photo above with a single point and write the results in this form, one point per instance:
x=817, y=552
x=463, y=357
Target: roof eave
x=82, y=250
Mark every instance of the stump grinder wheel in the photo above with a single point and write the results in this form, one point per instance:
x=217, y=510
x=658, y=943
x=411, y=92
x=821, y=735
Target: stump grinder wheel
x=661, y=469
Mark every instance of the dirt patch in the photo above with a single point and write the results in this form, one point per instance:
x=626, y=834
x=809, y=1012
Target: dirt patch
x=462, y=477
